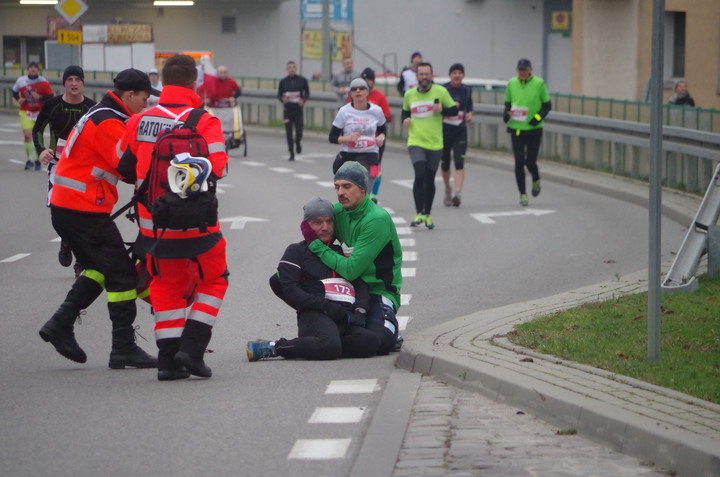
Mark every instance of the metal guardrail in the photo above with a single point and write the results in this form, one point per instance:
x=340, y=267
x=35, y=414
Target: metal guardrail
x=612, y=145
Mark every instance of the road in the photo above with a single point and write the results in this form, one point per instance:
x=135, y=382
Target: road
x=65, y=419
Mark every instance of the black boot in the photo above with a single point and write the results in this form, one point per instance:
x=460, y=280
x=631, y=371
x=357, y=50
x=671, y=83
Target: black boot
x=167, y=369
x=58, y=331
x=194, y=340
x=125, y=353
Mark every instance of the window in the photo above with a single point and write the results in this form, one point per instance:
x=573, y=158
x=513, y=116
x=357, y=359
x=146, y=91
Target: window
x=674, y=45
x=228, y=25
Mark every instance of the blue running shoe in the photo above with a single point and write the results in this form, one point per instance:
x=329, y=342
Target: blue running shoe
x=260, y=349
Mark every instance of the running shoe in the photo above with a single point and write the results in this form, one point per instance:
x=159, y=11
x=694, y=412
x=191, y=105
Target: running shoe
x=65, y=254
x=398, y=343
x=260, y=349
x=28, y=165
x=428, y=222
x=447, y=201
x=524, y=200
x=419, y=219
x=536, y=188
x=456, y=201
x=38, y=165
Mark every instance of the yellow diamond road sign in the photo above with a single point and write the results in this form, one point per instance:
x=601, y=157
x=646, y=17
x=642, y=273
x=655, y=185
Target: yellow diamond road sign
x=71, y=10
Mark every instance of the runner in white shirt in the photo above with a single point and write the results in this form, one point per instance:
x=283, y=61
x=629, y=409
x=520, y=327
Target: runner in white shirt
x=359, y=128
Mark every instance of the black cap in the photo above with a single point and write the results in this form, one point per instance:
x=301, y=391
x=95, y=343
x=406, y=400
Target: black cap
x=524, y=64
x=134, y=80
x=73, y=70
x=457, y=67
x=33, y=63
x=368, y=74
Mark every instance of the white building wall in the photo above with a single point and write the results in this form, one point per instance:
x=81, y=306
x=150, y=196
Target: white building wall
x=488, y=36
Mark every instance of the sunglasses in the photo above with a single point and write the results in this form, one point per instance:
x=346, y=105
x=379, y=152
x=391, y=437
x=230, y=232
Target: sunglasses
x=358, y=88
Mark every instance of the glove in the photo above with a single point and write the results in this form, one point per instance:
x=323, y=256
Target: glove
x=506, y=116
x=307, y=232
x=335, y=311
x=535, y=121
x=357, y=318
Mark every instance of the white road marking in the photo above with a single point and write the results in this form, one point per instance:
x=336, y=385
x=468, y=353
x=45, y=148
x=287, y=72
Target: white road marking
x=319, y=449
x=253, y=163
x=337, y=415
x=328, y=184
x=221, y=188
x=404, y=183
x=282, y=170
x=10, y=143
x=399, y=220
x=403, y=321
x=408, y=272
x=352, y=386
x=306, y=177
x=16, y=161
x=56, y=239
x=15, y=258
x=407, y=242
x=405, y=299
x=484, y=218
x=239, y=221
x=389, y=210
x=318, y=155
x=404, y=230
x=409, y=256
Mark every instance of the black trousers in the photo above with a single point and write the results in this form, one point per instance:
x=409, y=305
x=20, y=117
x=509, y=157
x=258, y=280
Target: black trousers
x=526, y=149
x=98, y=245
x=320, y=338
x=293, y=116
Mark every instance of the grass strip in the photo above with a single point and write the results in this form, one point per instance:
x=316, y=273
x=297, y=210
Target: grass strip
x=612, y=335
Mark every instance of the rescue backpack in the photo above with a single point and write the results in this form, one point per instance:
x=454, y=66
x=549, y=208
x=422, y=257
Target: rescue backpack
x=169, y=210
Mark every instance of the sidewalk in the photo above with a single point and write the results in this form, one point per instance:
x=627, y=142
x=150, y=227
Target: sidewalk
x=671, y=429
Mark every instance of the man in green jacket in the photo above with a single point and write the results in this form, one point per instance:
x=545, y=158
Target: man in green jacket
x=527, y=103
x=371, y=251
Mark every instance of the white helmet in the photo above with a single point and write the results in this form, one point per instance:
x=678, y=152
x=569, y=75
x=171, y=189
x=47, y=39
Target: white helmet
x=188, y=175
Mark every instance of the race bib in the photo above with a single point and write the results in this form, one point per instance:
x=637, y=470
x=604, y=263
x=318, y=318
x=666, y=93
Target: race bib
x=519, y=114
x=421, y=109
x=339, y=289
x=31, y=115
x=293, y=96
x=59, y=148
x=364, y=143
x=455, y=120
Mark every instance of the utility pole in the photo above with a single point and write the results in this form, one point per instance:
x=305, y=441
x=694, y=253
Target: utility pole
x=655, y=199
x=326, y=41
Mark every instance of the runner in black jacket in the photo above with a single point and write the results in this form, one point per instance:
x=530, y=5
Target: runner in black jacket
x=293, y=91
x=330, y=322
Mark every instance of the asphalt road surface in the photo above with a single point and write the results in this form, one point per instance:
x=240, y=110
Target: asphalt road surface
x=297, y=418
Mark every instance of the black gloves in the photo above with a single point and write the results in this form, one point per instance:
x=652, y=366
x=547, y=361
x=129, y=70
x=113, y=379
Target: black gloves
x=335, y=311
x=535, y=120
x=506, y=116
x=357, y=318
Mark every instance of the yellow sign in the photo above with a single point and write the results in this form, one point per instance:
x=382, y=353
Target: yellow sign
x=560, y=20
x=312, y=45
x=69, y=37
x=71, y=10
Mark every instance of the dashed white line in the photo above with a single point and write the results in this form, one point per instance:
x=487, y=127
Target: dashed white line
x=399, y=220
x=337, y=415
x=352, y=386
x=306, y=177
x=408, y=272
x=404, y=230
x=320, y=449
x=403, y=321
x=407, y=242
x=328, y=184
x=405, y=299
x=15, y=258
x=409, y=256
x=282, y=170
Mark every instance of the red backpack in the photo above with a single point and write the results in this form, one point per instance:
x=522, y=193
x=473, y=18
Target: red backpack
x=168, y=209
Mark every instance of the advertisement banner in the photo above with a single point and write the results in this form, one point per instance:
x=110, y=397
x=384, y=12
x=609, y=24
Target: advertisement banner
x=312, y=45
x=340, y=10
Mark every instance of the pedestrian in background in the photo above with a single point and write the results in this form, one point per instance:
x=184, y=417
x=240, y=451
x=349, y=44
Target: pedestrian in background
x=527, y=103
x=408, y=76
x=341, y=81
x=422, y=112
x=61, y=113
x=30, y=92
x=377, y=97
x=455, y=134
x=293, y=91
x=681, y=95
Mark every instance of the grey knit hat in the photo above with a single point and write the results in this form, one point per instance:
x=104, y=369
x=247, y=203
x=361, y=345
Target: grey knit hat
x=317, y=207
x=354, y=172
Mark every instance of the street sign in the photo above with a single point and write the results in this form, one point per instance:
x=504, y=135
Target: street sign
x=71, y=10
x=69, y=37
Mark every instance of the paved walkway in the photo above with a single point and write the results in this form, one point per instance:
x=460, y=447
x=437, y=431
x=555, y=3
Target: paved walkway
x=670, y=429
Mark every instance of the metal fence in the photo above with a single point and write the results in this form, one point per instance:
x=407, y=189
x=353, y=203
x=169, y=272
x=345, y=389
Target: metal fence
x=596, y=133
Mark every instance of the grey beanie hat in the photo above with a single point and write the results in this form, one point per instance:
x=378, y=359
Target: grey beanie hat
x=317, y=207
x=354, y=172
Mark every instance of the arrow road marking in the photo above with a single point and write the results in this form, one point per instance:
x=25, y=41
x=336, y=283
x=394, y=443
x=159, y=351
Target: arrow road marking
x=485, y=218
x=239, y=221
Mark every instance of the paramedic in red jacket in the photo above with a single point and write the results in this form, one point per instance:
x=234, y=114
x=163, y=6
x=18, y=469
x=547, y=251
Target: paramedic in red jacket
x=176, y=257
x=83, y=197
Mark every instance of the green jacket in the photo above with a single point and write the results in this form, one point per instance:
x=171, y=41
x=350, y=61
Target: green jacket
x=527, y=103
x=375, y=255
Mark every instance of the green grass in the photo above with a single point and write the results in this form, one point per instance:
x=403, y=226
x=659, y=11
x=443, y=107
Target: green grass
x=612, y=335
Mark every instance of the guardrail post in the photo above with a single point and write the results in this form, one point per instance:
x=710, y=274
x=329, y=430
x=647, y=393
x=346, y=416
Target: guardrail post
x=713, y=248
